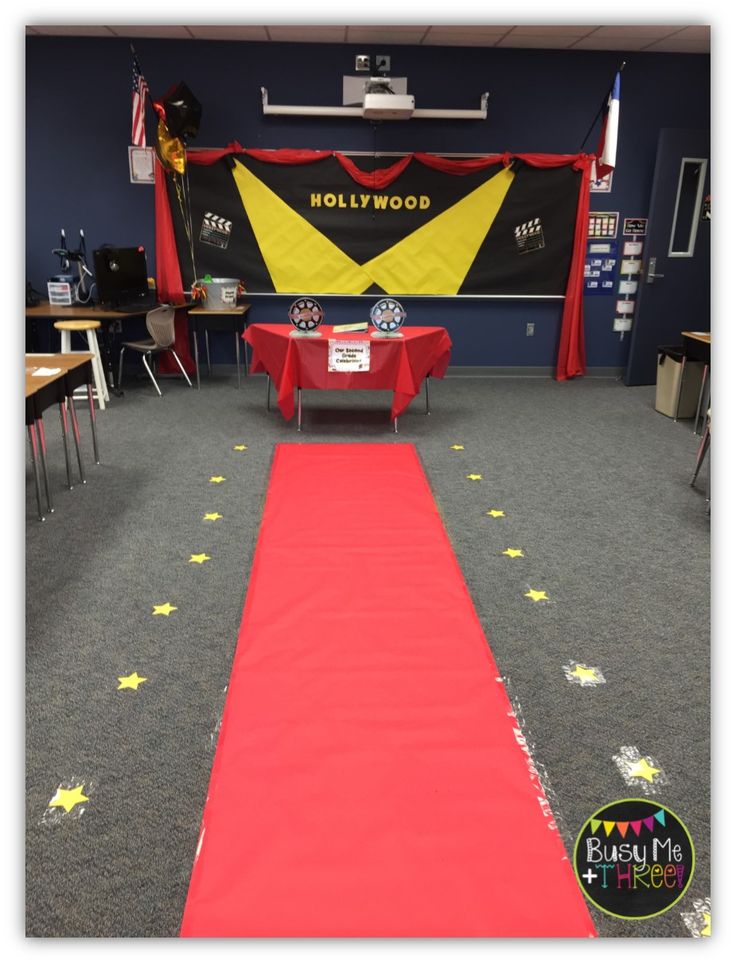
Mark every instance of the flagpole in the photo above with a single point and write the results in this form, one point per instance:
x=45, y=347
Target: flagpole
x=148, y=92
x=603, y=105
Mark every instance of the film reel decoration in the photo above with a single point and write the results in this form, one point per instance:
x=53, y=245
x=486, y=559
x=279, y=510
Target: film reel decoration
x=306, y=315
x=387, y=315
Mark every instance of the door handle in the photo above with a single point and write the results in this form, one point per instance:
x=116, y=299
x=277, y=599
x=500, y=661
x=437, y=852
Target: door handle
x=651, y=268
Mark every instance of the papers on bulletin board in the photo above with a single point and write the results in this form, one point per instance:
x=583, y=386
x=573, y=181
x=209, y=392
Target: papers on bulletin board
x=632, y=247
x=624, y=307
x=631, y=266
x=622, y=324
x=627, y=287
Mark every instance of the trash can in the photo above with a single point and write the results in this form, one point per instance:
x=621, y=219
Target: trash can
x=670, y=372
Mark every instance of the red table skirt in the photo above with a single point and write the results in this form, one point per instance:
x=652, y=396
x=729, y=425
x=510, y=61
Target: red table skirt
x=397, y=364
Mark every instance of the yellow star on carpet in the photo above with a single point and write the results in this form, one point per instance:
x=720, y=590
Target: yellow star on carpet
x=165, y=609
x=457, y=447
x=211, y=517
x=200, y=558
x=217, y=479
x=513, y=553
x=642, y=770
x=584, y=674
x=496, y=513
x=706, y=929
x=69, y=798
x=240, y=447
x=131, y=681
x=536, y=595
x=474, y=477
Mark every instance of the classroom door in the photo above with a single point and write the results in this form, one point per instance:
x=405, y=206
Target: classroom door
x=674, y=284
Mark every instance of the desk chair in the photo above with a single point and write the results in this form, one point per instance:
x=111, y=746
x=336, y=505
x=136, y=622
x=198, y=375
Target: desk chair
x=160, y=325
x=89, y=328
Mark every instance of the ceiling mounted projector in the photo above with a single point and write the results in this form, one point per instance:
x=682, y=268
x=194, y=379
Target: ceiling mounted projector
x=388, y=106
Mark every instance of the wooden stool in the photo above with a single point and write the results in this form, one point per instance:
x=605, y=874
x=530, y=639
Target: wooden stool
x=89, y=327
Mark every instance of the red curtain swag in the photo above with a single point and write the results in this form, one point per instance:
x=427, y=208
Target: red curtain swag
x=571, y=348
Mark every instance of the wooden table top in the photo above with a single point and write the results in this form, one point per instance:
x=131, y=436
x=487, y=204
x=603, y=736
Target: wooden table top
x=235, y=309
x=81, y=312
x=703, y=336
x=61, y=362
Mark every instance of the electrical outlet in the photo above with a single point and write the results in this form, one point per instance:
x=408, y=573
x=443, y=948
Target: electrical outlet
x=530, y=329
x=362, y=62
x=383, y=62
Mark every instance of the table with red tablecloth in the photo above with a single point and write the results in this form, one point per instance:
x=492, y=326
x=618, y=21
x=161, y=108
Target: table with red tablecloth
x=396, y=364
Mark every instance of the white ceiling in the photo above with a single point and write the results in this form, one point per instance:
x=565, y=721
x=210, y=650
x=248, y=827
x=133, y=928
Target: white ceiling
x=662, y=38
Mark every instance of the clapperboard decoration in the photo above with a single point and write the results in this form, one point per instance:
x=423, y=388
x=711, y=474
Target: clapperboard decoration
x=529, y=236
x=215, y=230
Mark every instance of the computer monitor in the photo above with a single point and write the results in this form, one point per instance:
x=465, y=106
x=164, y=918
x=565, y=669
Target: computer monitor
x=121, y=274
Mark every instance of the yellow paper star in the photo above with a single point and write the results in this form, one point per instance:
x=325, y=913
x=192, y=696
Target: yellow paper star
x=165, y=609
x=643, y=770
x=706, y=929
x=200, y=558
x=217, y=479
x=131, y=681
x=584, y=674
x=69, y=798
x=457, y=447
x=496, y=513
x=240, y=447
x=513, y=553
x=474, y=477
x=211, y=517
x=536, y=595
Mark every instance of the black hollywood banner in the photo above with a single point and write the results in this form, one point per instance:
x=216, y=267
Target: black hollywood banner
x=425, y=225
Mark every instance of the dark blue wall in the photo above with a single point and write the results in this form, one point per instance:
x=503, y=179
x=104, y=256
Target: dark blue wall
x=78, y=131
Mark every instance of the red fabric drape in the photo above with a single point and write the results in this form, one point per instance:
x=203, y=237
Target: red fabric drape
x=168, y=277
x=571, y=348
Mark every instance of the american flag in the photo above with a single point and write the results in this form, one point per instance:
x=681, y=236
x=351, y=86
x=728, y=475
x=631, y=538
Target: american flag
x=140, y=90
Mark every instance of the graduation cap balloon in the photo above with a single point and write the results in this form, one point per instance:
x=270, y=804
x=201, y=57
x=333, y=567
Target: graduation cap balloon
x=183, y=111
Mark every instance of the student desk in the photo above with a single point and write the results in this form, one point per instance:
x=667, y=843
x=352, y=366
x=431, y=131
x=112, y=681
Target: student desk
x=231, y=319
x=66, y=373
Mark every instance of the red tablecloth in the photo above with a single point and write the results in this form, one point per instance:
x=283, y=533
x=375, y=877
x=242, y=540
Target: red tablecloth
x=397, y=364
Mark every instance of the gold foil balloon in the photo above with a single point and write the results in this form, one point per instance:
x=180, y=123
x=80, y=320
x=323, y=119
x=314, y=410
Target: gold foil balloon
x=170, y=150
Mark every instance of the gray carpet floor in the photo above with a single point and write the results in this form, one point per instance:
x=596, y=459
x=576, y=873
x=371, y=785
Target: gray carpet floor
x=594, y=487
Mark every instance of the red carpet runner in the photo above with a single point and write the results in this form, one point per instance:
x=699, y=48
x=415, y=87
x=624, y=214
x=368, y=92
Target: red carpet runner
x=367, y=781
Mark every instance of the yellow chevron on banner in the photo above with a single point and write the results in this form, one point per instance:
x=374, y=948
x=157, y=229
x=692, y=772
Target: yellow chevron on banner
x=298, y=257
x=436, y=257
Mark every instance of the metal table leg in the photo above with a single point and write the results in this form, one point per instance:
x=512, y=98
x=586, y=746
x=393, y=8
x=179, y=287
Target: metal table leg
x=93, y=423
x=65, y=436
x=34, y=461
x=77, y=437
x=706, y=369
x=207, y=348
x=679, y=386
x=196, y=356
x=237, y=355
x=42, y=450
